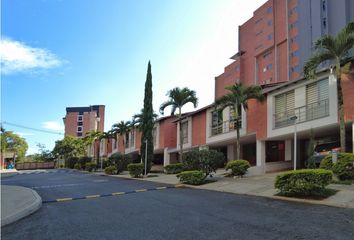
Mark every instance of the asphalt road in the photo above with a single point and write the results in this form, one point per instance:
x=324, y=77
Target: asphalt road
x=176, y=213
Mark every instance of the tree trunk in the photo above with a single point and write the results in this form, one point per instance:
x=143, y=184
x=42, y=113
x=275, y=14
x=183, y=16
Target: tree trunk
x=237, y=133
x=180, y=135
x=341, y=115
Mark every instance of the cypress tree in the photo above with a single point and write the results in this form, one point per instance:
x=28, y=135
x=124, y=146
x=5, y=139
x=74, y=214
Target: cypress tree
x=147, y=122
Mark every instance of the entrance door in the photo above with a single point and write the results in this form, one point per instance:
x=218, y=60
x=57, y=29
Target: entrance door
x=275, y=151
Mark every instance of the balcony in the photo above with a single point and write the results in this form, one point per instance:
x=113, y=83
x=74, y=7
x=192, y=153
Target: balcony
x=305, y=113
x=225, y=127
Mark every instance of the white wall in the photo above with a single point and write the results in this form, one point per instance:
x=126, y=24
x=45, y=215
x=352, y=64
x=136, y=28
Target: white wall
x=300, y=100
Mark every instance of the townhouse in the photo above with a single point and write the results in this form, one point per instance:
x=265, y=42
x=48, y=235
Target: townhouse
x=273, y=46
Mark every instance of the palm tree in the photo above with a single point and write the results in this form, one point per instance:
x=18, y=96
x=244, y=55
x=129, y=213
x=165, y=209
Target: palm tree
x=336, y=49
x=138, y=119
x=121, y=128
x=177, y=98
x=91, y=137
x=238, y=98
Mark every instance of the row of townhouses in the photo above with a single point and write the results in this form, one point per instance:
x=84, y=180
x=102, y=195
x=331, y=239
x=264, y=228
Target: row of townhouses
x=273, y=47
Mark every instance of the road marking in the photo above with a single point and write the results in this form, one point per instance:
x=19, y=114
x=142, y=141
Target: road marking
x=64, y=199
x=141, y=190
x=92, y=196
x=118, y=193
x=111, y=194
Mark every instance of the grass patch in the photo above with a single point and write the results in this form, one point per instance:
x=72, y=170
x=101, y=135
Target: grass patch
x=344, y=182
x=325, y=193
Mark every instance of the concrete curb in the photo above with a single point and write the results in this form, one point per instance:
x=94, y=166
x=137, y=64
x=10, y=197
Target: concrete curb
x=27, y=208
x=8, y=173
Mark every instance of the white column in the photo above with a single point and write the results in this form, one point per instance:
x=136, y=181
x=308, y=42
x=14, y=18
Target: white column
x=230, y=152
x=166, y=157
x=261, y=152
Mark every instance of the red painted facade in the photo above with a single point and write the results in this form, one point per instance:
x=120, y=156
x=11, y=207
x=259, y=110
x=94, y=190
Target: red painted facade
x=199, y=129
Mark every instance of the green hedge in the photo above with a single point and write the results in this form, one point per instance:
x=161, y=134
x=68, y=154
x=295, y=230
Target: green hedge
x=136, y=169
x=194, y=177
x=305, y=182
x=343, y=168
x=174, y=168
x=120, y=161
x=238, y=167
x=77, y=166
x=90, y=166
x=110, y=170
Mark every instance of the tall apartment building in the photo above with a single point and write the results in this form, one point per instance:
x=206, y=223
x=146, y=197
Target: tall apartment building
x=275, y=43
x=80, y=120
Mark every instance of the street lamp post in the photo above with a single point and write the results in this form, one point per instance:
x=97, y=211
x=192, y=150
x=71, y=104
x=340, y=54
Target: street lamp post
x=294, y=118
x=146, y=145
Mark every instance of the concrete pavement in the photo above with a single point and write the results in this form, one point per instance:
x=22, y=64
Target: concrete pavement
x=262, y=185
x=17, y=202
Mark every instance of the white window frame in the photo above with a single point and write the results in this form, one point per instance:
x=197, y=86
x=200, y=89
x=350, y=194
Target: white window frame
x=80, y=118
x=79, y=127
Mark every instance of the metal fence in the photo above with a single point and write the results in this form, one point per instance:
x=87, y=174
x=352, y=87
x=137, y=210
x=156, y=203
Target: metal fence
x=34, y=165
x=225, y=127
x=305, y=113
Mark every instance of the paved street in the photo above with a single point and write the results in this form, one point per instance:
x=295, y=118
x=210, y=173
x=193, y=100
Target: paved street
x=174, y=213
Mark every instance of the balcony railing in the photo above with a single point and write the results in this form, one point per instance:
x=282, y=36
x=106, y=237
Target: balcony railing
x=225, y=127
x=305, y=113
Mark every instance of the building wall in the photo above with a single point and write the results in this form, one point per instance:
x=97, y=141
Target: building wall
x=348, y=95
x=198, y=129
x=257, y=119
x=168, y=133
x=230, y=76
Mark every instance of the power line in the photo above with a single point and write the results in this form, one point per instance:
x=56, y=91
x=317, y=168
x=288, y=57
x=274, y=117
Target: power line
x=31, y=128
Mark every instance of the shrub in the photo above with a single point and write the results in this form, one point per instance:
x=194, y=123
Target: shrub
x=344, y=167
x=110, y=170
x=193, y=177
x=174, y=168
x=83, y=161
x=203, y=160
x=305, y=182
x=120, y=161
x=90, y=166
x=70, y=162
x=238, y=167
x=136, y=169
x=310, y=163
x=326, y=163
x=77, y=166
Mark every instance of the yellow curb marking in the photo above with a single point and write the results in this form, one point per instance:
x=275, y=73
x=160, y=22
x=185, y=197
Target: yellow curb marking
x=160, y=188
x=92, y=196
x=118, y=193
x=64, y=199
x=141, y=190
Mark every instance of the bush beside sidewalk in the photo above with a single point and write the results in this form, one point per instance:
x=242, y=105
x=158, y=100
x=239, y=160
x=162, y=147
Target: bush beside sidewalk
x=261, y=185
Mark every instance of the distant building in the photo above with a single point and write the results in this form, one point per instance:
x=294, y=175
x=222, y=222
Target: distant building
x=80, y=120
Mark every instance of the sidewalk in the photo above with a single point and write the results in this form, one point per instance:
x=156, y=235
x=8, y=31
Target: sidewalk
x=17, y=202
x=262, y=185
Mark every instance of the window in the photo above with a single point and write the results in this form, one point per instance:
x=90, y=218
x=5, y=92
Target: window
x=269, y=10
x=294, y=54
x=259, y=32
x=268, y=67
x=324, y=5
x=79, y=134
x=295, y=68
x=79, y=129
x=293, y=25
x=79, y=118
x=80, y=123
x=267, y=54
x=293, y=39
x=237, y=67
x=216, y=122
x=184, y=127
x=270, y=22
x=317, y=100
x=284, y=108
x=270, y=36
x=324, y=23
x=293, y=11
